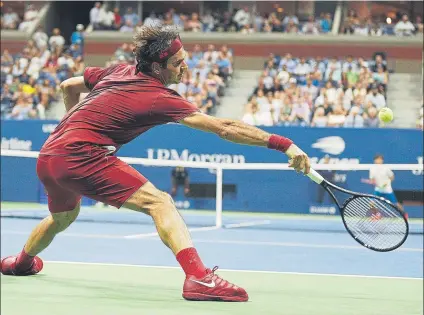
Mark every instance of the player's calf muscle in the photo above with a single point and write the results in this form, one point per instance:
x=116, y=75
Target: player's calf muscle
x=63, y=220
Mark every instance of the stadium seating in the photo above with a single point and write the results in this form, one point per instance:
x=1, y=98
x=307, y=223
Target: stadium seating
x=318, y=92
x=30, y=79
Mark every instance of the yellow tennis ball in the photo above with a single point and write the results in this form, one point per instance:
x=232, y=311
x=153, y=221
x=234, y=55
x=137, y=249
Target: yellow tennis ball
x=385, y=115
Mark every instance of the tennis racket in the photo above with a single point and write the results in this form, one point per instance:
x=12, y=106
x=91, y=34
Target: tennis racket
x=372, y=221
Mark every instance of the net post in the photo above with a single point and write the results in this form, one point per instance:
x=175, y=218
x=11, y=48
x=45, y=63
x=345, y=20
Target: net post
x=219, y=171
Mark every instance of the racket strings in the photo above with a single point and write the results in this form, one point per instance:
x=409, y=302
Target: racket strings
x=375, y=223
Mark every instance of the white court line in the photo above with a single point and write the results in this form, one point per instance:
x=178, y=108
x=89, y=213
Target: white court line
x=288, y=244
x=144, y=235
x=154, y=237
x=246, y=224
x=232, y=270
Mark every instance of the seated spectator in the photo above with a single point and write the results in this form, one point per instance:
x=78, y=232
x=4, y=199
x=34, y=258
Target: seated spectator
x=56, y=40
x=354, y=120
x=375, y=30
x=275, y=23
x=378, y=61
x=131, y=16
x=197, y=52
x=261, y=98
x=310, y=27
x=371, y=119
x=291, y=28
x=242, y=18
x=300, y=114
x=10, y=19
x=310, y=88
x=23, y=109
x=351, y=76
x=326, y=23
x=331, y=92
x=285, y=109
x=253, y=116
x=226, y=23
x=362, y=29
x=375, y=97
x=117, y=23
x=302, y=69
x=208, y=22
x=404, y=27
x=128, y=27
x=106, y=18
x=418, y=25
x=210, y=56
x=193, y=24
x=42, y=106
x=319, y=119
x=350, y=23
x=6, y=101
x=40, y=37
x=6, y=62
x=290, y=18
x=283, y=76
x=337, y=118
x=77, y=36
x=381, y=77
x=152, y=19
x=292, y=89
x=258, y=22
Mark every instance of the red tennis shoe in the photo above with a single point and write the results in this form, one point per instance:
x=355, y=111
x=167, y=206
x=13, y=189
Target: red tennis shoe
x=212, y=288
x=8, y=267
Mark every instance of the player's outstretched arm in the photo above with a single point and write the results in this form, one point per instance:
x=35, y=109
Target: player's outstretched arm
x=239, y=132
x=72, y=88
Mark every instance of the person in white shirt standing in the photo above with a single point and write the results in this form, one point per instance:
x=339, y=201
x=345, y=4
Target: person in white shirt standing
x=242, y=18
x=404, y=27
x=382, y=177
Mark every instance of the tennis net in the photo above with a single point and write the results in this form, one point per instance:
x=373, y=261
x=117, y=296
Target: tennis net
x=222, y=195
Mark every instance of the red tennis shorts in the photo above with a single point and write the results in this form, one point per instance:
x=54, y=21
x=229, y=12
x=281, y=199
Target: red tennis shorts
x=90, y=172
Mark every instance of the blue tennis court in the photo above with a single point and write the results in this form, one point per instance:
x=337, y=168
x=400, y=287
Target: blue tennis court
x=299, y=252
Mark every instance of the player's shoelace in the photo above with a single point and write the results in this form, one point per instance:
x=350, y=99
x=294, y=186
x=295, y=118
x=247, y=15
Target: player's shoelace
x=218, y=280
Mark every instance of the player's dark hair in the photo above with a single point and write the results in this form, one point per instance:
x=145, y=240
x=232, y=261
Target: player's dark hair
x=378, y=156
x=150, y=42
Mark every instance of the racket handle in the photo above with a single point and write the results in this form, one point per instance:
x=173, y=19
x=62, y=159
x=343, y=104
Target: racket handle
x=315, y=176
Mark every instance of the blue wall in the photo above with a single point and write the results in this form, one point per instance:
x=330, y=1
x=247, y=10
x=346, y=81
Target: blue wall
x=269, y=191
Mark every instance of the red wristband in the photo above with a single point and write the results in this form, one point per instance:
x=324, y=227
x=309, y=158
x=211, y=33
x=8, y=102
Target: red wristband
x=279, y=143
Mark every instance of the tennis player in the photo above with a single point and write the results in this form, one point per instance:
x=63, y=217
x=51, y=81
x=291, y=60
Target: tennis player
x=78, y=159
x=382, y=177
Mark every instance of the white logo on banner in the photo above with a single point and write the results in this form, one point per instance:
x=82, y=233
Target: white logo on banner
x=16, y=144
x=330, y=145
x=186, y=155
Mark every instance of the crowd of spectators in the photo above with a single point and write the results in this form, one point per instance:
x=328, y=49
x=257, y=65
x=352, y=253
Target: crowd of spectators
x=209, y=72
x=30, y=79
x=246, y=21
x=103, y=17
x=366, y=26
x=319, y=92
x=11, y=20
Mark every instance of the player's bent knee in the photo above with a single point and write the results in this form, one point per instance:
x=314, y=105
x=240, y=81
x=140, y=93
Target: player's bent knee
x=149, y=199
